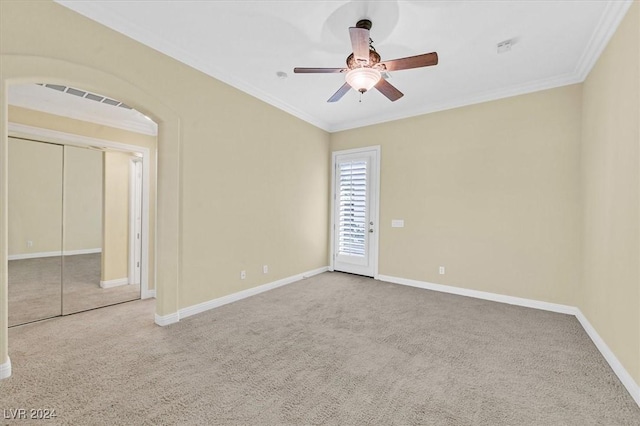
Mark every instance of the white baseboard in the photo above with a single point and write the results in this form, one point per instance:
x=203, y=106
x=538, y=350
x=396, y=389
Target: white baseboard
x=114, y=283
x=163, y=320
x=511, y=300
x=234, y=297
x=147, y=294
x=607, y=353
x=34, y=255
x=53, y=254
x=82, y=251
x=5, y=369
x=629, y=383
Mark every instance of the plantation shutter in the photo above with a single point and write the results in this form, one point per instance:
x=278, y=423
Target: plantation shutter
x=352, y=213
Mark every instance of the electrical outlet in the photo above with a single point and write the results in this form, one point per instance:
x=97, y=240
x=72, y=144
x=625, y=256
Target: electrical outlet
x=441, y=270
x=243, y=275
x=265, y=269
x=29, y=244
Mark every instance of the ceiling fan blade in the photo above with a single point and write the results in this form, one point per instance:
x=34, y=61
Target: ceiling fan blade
x=360, y=44
x=426, y=60
x=318, y=70
x=340, y=93
x=388, y=90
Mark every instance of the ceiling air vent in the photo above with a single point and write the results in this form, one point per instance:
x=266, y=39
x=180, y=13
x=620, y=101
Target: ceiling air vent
x=111, y=102
x=94, y=97
x=76, y=92
x=86, y=95
x=56, y=87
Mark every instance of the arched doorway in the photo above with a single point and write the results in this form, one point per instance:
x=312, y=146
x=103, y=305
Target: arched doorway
x=166, y=258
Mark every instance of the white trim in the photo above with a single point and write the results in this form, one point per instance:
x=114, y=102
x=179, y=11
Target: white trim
x=54, y=136
x=511, y=300
x=5, y=369
x=607, y=353
x=149, y=294
x=114, y=283
x=135, y=201
x=53, y=254
x=82, y=251
x=375, y=209
x=627, y=380
x=472, y=99
x=120, y=24
x=163, y=320
x=234, y=297
x=143, y=126
x=34, y=255
x=610, y=19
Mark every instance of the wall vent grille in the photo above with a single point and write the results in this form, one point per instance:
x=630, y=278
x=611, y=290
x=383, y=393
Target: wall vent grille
x=86, y=95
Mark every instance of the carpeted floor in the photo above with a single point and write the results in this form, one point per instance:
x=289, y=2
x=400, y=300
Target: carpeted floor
x=35, y=287
x=333, y=349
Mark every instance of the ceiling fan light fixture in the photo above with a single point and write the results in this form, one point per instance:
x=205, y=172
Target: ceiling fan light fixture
x=363, y=79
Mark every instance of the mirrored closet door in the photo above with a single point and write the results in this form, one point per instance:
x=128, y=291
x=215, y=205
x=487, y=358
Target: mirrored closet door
x=35, y=230
x=74, y=220
x=98, y=200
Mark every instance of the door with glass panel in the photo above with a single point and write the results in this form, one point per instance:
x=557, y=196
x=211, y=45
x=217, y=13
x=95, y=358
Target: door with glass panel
x=354, y=217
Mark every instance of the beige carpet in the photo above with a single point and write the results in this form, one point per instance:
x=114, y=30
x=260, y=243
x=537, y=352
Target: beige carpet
x=35, y=287
x=334, y=349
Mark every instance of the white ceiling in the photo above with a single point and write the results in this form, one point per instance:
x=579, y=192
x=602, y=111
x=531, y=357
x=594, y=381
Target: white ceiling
x=245, y=43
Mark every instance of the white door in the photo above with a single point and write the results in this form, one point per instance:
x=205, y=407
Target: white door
x=355, y=235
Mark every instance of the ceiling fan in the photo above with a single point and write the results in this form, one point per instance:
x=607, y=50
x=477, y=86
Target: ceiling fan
x=364, y=68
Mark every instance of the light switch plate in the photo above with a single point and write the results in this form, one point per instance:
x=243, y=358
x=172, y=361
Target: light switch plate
x=397, y=223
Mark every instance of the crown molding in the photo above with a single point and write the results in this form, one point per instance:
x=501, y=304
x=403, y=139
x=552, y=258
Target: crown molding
x=149, y=39
x=607, y=26
x=492, y=95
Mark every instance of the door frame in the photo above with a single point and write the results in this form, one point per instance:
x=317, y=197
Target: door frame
x=62, y=138
x=135, y=201
x=375, y=207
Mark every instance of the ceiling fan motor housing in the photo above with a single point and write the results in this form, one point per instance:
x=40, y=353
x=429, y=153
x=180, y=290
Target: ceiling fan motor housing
x=364, y=23
x=374, y=59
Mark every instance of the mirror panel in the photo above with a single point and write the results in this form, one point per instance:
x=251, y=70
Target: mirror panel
x=35, y=230
x=96, y=229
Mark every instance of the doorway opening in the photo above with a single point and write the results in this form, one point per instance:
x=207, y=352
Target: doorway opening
x=355, y=211
x=79, y=211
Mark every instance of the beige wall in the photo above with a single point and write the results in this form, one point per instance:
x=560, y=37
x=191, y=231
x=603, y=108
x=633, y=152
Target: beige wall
x=43, y=177
x=490, y=191
x=611, y=190
x=214, y=181
x=262, y=199
x=35, y=197
x=82, y=199
x=115, y=230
